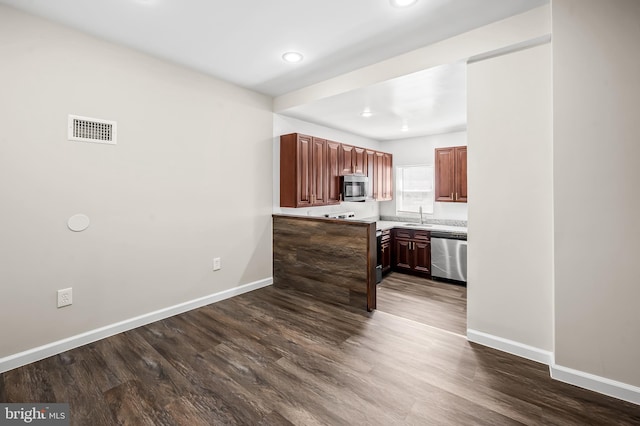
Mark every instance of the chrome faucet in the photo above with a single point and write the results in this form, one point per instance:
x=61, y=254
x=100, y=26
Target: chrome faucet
x=421, y=222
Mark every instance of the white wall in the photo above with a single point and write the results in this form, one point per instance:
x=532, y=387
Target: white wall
x=283, y=125
x=596, y=64
x=498, y=35
x=190, y=179
x=510, y=171
x=421, y=151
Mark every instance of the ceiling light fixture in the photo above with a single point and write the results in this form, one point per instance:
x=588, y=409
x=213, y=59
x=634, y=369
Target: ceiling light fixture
x=403, y=3
x=404, y=128
x=292, y=57
x=366, y=113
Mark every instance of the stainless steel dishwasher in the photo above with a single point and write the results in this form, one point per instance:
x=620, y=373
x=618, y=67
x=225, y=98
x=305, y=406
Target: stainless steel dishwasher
x=449, y=255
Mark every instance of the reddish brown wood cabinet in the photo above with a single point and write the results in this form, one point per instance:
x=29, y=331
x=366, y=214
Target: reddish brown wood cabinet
x=310, y=170
x=383, y=176
x=352, y=160
x=334, y=192
x=412, y=251
x=304, y=171
x=451, y=174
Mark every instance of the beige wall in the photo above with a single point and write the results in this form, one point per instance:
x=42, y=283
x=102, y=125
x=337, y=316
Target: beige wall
x=163, y=202
x=510, y=271
x=596, y=66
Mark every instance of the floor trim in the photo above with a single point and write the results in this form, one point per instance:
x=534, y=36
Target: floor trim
x=36, y=354
x=595, y=383
x=578, y=378
x=510, y=346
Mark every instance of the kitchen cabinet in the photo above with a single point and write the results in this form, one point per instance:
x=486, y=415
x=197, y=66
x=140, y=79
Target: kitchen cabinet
x=370, y=172
x=352, y=160
x=379, y=170
x=304, y=171
x=385, y=251
x=334, y=191
x=310, y=170
x=451, y=174
x=383, y=176
x=412, y=251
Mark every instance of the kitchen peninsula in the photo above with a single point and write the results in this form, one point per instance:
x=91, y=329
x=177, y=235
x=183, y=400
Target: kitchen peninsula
x=332, y=259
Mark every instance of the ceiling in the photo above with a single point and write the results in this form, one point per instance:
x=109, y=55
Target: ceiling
x=242, y=41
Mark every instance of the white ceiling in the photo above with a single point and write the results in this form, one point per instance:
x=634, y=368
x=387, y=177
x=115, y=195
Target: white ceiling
x=242, y=41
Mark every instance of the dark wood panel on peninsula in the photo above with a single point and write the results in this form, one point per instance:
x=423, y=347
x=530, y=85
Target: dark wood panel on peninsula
x=334, y=260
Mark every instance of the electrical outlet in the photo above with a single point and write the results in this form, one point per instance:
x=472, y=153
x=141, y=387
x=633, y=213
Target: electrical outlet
x=65, y=297
x=216, y=264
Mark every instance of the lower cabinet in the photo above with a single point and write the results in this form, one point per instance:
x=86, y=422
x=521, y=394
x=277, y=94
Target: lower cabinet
x=412, y=251
x=385, y=251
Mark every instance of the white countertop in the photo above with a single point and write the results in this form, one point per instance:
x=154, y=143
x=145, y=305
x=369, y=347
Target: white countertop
x=382, y=225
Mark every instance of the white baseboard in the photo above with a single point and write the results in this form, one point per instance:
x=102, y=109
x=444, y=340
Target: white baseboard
x=578, y=378
x=510, y=346
x=36, y=354
x=595, y=383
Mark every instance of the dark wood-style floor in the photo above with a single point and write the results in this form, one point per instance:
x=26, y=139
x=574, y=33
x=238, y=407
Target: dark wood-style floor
x=277, y=357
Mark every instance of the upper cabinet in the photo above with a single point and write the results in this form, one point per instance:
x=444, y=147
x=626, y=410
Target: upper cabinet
x=451, y=174
x=333, y=175
x=304, y=171
x=310, y=170
x=352, y=160
x=383, y=176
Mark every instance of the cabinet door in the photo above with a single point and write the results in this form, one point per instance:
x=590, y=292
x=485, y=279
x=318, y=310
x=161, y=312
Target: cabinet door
x=387, y=189
x=402, y=254
x=461, y=174
x=333, y=172
x=305, y=155
x=358, y=160
x=370, y=171
x=347, y=153
x=379, y=183
x=422, y=256
x=386, y=256
x=318, y=171
x=445, y=174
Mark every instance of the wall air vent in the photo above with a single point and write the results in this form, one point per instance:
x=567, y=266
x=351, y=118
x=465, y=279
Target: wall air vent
x=85, y=129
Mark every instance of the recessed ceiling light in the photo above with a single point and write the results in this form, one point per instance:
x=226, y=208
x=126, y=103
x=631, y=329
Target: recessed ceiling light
x=366, y=113
x=402, y=3
x=404, y=128
x=292, y=57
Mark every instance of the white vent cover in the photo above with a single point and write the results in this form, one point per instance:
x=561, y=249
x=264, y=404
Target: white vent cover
x=85, y=129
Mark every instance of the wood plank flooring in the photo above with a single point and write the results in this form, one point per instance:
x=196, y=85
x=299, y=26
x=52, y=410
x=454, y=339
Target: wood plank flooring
x=434, y=303
x=280, y=357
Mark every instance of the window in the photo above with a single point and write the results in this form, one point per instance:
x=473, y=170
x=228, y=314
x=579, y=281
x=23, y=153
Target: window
x=414, y=189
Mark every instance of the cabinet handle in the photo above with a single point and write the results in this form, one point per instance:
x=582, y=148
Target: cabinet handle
x=452, y=196
x=456, y=196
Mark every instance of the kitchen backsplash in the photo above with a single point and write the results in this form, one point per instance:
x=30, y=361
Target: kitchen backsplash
x=447, y=222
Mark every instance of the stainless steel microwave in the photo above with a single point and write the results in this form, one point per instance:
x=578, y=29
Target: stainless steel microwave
x=354, y=187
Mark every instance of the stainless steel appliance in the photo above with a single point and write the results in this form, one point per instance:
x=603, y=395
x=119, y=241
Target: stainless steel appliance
x=354, y=187
x=449, y=255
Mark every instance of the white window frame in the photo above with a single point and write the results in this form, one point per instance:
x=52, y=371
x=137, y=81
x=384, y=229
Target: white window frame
x=428, y=205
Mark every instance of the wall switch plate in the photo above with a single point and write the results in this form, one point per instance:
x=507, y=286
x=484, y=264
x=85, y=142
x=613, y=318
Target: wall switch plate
x=65, y=297
x=216, y=264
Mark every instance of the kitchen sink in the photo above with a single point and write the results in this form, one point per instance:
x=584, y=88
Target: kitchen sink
x=418, y=225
